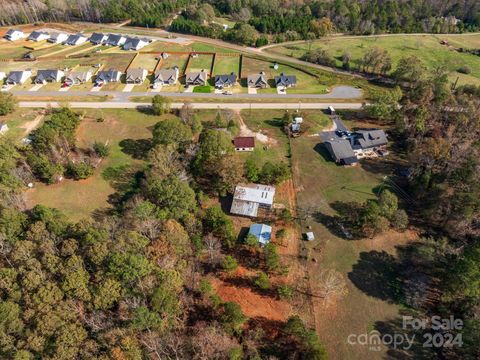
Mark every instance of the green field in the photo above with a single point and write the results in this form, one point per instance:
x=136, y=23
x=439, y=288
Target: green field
x=425, y=47
x=78, y=199
x=200, y=62
x=226, y=65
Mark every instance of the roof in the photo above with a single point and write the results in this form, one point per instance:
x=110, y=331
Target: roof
x=72, y=39
x=132, y=43
x=107, y=75
x=138, y=73
x=340, y=149
x=80, y=76
x=114, y=39
x=310, y=236
x=196, y=76
x=370, y=138
x=244, y=142
x=98, y=37
x=43, y=75
x=262, y=232
x=166, y=75
x=36, y=34
x=12, y=31
x=16, y=76
x=256, y=79
x=228, y=79
x=55, y=36
x=285, y=80
x=262, y=194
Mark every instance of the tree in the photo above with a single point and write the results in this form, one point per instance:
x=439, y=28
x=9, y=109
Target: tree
x=160, y=105
x=107, y=294
x=172, y=132
x=251, y=240
x=272, y=259
x=8, y=103
x=129, y=268
x=218, y=223
x=331, y=283
x=232, y=317
x=388, y=203
x=384, y=105
x=310, y=344
x=262, y=281
x=400, y=220
x=230, y=264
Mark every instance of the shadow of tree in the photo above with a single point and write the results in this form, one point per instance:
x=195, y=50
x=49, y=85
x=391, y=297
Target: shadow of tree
x=138, y=149
x=377, y=274
x=125, y=179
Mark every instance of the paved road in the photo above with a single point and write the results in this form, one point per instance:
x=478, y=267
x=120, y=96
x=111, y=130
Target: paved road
x=339, y=92
x=234, y=106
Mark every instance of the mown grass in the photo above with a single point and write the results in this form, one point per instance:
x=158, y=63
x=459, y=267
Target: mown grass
x=426, y=47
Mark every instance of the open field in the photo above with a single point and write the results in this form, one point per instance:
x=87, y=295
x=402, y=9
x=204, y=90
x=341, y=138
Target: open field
x=320, y=183
x=20, y=123
x=226, y=65
x=78, y=199
x=145, y=61
x=425, y=47
x=200, y=62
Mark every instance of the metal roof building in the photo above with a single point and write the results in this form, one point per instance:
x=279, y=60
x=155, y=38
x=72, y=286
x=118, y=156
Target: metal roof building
x=262, y=232
x=247, y=199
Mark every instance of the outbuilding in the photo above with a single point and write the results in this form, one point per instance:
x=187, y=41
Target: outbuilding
x=262, y=232
x=244, y=143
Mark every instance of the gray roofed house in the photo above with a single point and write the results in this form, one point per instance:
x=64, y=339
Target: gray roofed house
x=222, y=81
x=285, y=80
x=18, y=77
x=14, y=34
x=367, y=139
x=75, y=39
x=166, y=77
x=78, y=77
x=257, y=80
x=133, y=43
x=107, y=76
x=38, y=36
x=136, y=76
x=196, y=78
x=98, y=38
x=57, y=38
x=248, y=199
x=341, y=151
x=50, y=76
x=115, y=40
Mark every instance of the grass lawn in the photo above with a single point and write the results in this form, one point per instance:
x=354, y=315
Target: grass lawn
x=425, y=47
x=319, y=183
x=226, y=65
x=200, y=62
x=203, y=89
x=78, y=199
x=175, y=60
x=18, y=122
x=145, y=61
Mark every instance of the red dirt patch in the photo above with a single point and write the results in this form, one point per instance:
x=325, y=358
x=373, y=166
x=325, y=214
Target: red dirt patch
x=253, y=304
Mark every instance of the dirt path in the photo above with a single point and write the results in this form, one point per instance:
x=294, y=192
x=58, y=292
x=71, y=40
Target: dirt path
x=32, y=125
x=245, y=131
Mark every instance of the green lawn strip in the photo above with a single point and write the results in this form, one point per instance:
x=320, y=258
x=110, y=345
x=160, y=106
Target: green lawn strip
x=202, y=89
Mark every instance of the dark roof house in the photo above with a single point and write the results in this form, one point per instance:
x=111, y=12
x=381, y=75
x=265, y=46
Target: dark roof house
x=115, y=40
x=196, y=78
x=38, y=36
x=107, y=76
x=98, y=38
x=341, y=151
x=257, y=80
x=285, y=80
x=132, y=43
x=136, y=76
x=18, y=77
x=366, y=139
x=44, y=76
x=244, y=143
x=57, y=38
x=14, y=34
x=75, y=39
x=222, y=81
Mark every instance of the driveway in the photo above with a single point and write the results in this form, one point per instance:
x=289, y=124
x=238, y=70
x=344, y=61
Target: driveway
x=157, y=89
x=281, y=90
x=128, y=87
x=7, y=88
x=63, y=89
x=36, y=87
x=189, y=89
x=96, y=89
x=252, y=91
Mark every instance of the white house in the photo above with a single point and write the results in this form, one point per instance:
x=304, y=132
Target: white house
x=58, y=38
x=38, y=36
x=48, y=76
x=248, y=198
x=76, y=39
x=14, y=34
x=135, y=44
x=18, y=77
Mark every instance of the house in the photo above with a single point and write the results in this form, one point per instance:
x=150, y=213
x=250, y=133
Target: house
x=262, y=232
x=2, y=75
x=244, y=143
x=136, y=76
x=135, y=43
x=165, y=77
x=196, y=78
x=115, y=40
x=14, y=34
x=58, y=38
x=223, y=81
x=107, y=76
x=3, y=127
x=75, y=39
x=369, y=139
x=78, y=77
x=247, y=199
x=18, y=77
x=285, y=81
x=38, y=36
x=48, y=76
x=257, y=80
x=98, y=38
x=341, y=151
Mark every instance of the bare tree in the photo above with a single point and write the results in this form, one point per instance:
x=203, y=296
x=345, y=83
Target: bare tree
x=330, y=283
x=213, y=245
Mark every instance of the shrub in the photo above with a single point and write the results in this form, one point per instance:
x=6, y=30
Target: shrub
x=101, y=150
x=272, y=259
x=251, y=240
x=400, y=220
x=230, y=264
x=160, y=105
x=285, y=292
x=464, y=69
x=80, y=170
x=262, y=281
x=7, y=103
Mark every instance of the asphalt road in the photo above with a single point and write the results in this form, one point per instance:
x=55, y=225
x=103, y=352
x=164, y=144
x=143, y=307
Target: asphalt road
x=339, y=92
x=234, y=106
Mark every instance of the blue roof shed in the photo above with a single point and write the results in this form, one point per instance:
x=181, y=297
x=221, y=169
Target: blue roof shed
x=262, y=232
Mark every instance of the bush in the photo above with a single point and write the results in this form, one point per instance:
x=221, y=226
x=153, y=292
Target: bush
x=43, y=169
x=160, y=105
x=251, y=240
x=400, y=220
x=80, y=170
x=262, y=281
x=7, y=103
x=229, y=264
x=464, y=69
x=100, y=149
x=272, y=259
x=285, y=292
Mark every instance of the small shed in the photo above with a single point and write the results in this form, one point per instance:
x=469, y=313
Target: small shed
x=262, y=232
x=310, y=236
x=244, y=143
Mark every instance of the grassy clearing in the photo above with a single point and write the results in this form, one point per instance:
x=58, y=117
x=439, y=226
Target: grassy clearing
x=78, y=199
x=200, y=62
x=18, y=122
x=145, y=61
x=426, y=47
x=226, y=65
